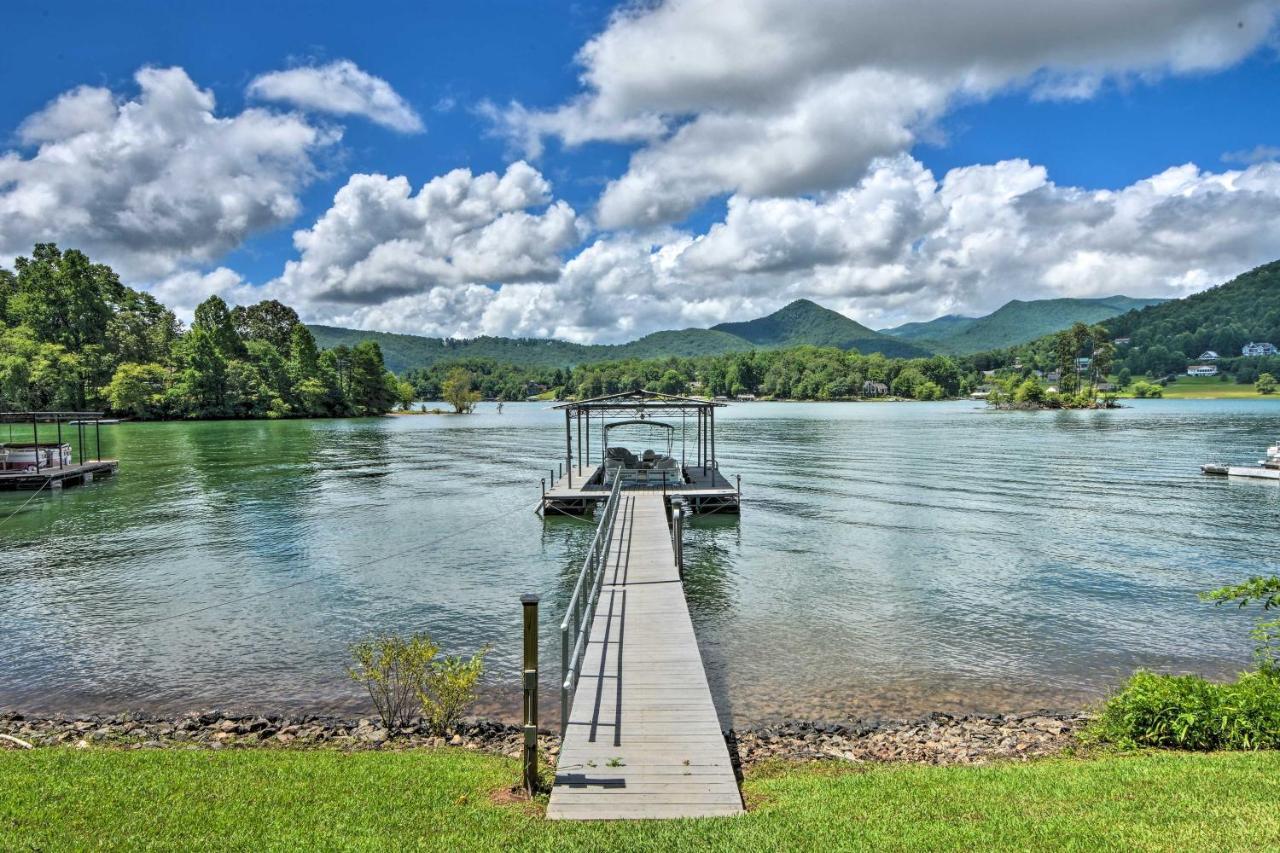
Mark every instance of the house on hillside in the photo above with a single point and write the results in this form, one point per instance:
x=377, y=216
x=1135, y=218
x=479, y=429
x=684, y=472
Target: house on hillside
x=1202, y=370
x=1208, y=355
x=1053, y=376
x=1082, y=363
x=874, y=389
x=1122, y=342
x=1252, y=349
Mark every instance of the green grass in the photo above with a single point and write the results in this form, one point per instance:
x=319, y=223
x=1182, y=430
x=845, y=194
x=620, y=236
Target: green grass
x=282, y=799
x=1211, y=388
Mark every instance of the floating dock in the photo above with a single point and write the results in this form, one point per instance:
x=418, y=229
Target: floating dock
x=40, y=464
x=687, y=469
x=56, y=477
x=642, y=739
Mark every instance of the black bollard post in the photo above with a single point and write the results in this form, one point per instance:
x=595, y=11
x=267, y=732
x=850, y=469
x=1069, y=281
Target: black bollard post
x=530, y=606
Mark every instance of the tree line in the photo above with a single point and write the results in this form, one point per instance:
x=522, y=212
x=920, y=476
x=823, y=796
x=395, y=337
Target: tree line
x=72, y=336
x=796, y=373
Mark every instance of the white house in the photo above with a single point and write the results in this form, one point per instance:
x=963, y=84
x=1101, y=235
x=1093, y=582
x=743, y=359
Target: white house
x=1252, y=349
x=1202, y=370
x=1208, y=355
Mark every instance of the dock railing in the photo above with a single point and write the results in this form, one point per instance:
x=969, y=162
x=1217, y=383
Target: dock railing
x=580, y=610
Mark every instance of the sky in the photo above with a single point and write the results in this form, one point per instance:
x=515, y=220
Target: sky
x=595, y=172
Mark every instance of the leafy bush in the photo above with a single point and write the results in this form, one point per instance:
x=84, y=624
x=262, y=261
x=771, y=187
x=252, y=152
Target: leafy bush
x=392, y=670
x=400, y=674
x=1266, y=384
x=1189, y=712
x=449, y=687
x=1144, y=389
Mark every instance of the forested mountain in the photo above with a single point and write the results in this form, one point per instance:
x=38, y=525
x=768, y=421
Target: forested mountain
x=806, y=323
x=802, y=323
x=1013, y=323
x=1162, y=339
x=404, y=352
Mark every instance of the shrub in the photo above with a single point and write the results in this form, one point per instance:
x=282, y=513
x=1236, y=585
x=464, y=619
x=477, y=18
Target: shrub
x=1145, y=389
x=1189, y=712
x=1266, y=384
x=393, y=671
x=449, y=687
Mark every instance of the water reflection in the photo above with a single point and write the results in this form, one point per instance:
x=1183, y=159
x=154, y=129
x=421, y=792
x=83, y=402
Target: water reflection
x=890, y=559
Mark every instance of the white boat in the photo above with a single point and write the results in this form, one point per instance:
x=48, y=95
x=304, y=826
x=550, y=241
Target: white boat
x=1266, y=469
x=23, y=456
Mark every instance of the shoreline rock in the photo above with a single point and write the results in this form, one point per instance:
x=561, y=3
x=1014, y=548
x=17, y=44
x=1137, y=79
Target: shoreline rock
x=935, y=739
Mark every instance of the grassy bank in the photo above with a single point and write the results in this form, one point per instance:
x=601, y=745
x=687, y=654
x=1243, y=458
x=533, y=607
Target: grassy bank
x=279, y=799
x=1212, y=388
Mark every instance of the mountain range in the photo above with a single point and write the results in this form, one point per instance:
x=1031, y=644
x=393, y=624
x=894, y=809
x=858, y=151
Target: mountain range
x=1013, y=323
x=799, y=323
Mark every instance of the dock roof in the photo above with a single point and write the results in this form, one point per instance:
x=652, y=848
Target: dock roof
x=639, y=401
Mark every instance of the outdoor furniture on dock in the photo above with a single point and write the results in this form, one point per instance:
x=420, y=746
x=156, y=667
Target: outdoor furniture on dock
x=688, y=469
x=38, y=464
x=640, y=735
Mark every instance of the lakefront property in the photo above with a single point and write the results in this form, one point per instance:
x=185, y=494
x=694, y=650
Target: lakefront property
x=640, y=426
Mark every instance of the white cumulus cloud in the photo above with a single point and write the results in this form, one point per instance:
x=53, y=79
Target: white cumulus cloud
x=154, y=183
x=341, y=88
x=774, y=97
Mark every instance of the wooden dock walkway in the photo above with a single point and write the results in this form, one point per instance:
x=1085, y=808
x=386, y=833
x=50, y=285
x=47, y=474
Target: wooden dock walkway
x=643, y=739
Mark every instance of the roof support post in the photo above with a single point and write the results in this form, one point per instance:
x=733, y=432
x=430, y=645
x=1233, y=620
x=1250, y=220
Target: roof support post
x=714, y=467
x=35, y=439
x=59, y=443
x=568, y=445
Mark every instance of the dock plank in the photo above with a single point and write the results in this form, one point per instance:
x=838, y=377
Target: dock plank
x=643, y=739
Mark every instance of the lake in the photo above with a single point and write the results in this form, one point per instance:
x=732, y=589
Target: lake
x=891, y=558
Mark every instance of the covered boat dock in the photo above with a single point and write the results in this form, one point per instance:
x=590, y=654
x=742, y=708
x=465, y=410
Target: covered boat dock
x=678, y=458
x=41, y=463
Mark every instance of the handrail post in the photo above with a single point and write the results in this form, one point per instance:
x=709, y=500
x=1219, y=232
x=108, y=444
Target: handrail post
x=677, y=533
x=529, y=603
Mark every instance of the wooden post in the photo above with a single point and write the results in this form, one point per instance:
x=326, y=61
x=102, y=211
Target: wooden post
x=35, y=438
x=579, y=440
x=97, y=437
x=529, y=603
x=713, y=448
x=59, y=444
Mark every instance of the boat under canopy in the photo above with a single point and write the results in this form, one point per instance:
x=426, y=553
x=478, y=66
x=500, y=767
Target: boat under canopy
x=646, y=439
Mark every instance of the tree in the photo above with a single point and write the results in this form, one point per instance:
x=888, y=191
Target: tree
x=1266, y=384
x=138, y=389
x=269, y=321
x=201, y=389
x=213, y=318
x=368, y=389
x=457, y=391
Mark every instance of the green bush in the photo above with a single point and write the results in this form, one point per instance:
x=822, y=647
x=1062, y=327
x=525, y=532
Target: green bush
x=392, y=669
x=1143, y=389
x=449, y=687
x=1189, y=712
x=400, y=673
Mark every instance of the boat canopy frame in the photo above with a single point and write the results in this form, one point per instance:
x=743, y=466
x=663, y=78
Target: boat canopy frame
x=80, y=419
x=638, y=407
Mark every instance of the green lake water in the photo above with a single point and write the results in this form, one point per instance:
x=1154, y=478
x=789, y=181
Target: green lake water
x=890, y=559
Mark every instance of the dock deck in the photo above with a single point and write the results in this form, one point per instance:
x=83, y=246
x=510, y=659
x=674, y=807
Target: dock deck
x=642, y=739
x=579, y=489
x=57, y=477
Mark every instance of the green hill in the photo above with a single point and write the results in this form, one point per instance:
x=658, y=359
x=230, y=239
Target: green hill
x=801, y=322
x=938, y=328
x=805, y=322
x=1014, y=323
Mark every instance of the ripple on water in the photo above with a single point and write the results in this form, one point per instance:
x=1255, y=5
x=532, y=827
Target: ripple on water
x=891, y=559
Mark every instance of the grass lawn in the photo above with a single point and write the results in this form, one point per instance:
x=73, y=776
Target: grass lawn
x=60, y=798
x=1211, y=387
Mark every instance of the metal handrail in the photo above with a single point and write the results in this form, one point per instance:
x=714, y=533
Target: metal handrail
x=580, y=610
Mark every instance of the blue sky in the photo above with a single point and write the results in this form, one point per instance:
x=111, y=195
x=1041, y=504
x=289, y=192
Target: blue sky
x=717, y=213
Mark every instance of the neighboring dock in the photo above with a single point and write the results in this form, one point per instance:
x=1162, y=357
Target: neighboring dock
x=642, y=739
x=42, y=464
